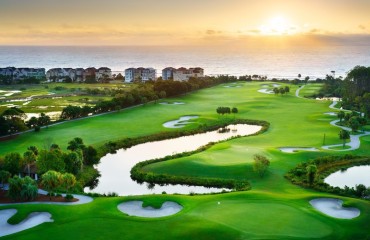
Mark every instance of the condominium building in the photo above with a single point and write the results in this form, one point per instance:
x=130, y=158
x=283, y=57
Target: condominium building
x=181, y=74
x=140, y=74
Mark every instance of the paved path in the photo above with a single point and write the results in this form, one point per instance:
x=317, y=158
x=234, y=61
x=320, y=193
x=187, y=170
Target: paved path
x=354, y=139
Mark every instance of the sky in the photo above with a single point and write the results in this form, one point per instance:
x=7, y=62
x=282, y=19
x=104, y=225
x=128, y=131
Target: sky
x=175, y=22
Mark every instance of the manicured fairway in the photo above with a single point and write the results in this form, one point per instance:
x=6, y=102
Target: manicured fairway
x=273, y=209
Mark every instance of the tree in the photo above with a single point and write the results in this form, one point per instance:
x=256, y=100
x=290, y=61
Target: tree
x=90, y=156
x=75, y=144
x=15, y=188
x=344, y=135
x=68, y=181
x=354, y=124
x=43, y=120
x=51, y=180
x=287, y=89
x=34, y=149
x=50, y=160
x=340, y=115
x=29, y=189
x=4, y=177
x=73, y=162
x=311, y=173
x=299, y=75
x=276, y=90
x=282, y=91
x=13, y=163
x=234, y=110
x=28, y=158
x=260, y=165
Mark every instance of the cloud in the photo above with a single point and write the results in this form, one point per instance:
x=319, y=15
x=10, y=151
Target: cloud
x=362, y=27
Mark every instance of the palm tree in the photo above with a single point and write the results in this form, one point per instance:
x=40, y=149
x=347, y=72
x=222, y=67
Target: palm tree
x=311, y=173
x=50, y=181
x=68, y=180
x=344, y=135
x=29, y=157
x=340, y=115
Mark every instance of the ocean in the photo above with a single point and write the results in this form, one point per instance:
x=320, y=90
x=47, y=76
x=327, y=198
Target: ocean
x=271, y=62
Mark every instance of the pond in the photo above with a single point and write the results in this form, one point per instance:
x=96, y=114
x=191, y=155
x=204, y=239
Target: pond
x=115, y=168
x=350, y=177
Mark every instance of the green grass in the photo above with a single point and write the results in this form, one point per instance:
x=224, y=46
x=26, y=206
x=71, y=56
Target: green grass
x=310, y=89
x=273, y=209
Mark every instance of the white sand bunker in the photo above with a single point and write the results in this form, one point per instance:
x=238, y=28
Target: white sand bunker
x=266, y=91
x=296, y=149
x=333, y=207
x=135, y=208
x=31, y=221
x=232, y=86
x=331, y=113
x=179, y=123
x=172, y=103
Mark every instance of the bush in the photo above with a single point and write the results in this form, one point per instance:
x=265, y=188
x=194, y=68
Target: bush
x=68, y=197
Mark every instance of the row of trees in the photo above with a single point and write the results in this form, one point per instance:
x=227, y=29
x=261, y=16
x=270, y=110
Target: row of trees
x=354, y=89
x=281, y=90
x=12, y=121
x=79, y=161
x=26, y=189
x=352, y=120
x=226, y=110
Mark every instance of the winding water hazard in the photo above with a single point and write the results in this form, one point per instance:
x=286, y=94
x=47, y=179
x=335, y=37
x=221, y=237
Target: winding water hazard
x=115, y=168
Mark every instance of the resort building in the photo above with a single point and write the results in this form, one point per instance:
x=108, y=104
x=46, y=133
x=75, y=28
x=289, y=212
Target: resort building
x=103, y=73
x=22, y=73
x=181, y=74
x=167, y=73
x=140, y=74
x=78, y=74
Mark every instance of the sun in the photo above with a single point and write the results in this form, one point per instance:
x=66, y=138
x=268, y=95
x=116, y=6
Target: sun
x=278, y=25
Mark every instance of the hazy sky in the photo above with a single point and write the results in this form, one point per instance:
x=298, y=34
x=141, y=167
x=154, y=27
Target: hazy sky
x=164, y=22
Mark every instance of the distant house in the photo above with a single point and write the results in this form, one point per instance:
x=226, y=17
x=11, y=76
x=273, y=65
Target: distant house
x=167, y=73
x=22, y=73
x=182, y=74
x=58, y=74
x=140, y=74
x=89, y=74
x=103, y=73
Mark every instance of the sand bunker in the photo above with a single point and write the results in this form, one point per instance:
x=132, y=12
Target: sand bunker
x=172, y=103
x=266, y=91
x=179, y=123
x=135, y=208
x=33, y=220
x=333, y=207
x=331, y=113
x=8, y=93
x=296, y=149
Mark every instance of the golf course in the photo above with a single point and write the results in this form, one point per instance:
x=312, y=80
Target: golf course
x=274, y=208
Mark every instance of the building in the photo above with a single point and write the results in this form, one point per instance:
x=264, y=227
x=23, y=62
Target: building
x=22, y=73
x=167, y=73
x=140, y=74
x=103, y=73
x=182, y=74
x=89, y=74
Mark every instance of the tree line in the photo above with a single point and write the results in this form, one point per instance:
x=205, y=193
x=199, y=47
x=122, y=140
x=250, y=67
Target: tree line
x=78, y=161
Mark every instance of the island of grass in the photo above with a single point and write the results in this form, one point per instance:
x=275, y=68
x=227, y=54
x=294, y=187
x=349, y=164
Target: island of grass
x=273, y=209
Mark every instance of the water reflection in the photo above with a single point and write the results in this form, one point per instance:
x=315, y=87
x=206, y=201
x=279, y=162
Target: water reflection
x=115, y=168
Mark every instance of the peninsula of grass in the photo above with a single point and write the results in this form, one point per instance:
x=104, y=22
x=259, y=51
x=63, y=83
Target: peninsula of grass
x=273, y=209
